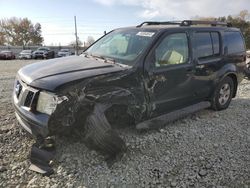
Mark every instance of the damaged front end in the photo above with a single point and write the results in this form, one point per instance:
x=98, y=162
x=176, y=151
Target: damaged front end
x=95, y=108
x=92, y=109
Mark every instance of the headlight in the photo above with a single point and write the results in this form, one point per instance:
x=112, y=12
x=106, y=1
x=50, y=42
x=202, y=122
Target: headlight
x=47, y=103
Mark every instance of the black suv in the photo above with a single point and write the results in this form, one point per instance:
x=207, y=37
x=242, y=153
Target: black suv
x=144, y=76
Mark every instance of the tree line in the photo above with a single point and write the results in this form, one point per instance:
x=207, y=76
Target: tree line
x=241, y=21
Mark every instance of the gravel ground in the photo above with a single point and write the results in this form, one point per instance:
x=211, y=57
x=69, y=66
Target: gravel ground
x=207, y=149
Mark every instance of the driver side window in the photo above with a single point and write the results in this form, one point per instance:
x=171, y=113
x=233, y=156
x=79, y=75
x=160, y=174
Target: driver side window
x=172, y=50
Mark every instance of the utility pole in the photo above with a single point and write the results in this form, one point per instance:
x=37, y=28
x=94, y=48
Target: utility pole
x=76, y=52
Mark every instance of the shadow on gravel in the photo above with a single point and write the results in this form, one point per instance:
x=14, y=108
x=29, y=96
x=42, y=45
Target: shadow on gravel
x=194, y=150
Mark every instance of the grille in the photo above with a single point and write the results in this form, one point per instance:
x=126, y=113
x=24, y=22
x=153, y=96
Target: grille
x=26, y=96
x=29, y=99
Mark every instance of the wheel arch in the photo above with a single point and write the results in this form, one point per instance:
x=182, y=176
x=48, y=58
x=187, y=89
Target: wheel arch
x=235, y=80
x=229, y=70
x=118, y=116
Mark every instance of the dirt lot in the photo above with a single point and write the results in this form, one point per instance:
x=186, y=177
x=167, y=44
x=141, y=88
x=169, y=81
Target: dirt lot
x=207, y=149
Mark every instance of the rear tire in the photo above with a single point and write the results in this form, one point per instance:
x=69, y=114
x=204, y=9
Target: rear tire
x=223, y=94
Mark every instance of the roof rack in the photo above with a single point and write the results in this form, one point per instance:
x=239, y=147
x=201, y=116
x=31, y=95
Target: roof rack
x=187, y=23
x=159, y=23
x=204, y=22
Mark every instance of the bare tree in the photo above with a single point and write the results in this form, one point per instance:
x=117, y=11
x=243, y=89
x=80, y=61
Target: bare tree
x=90, y=40
x=73, y=43
x=2, y=39
x=21, y=32
x=244, y=15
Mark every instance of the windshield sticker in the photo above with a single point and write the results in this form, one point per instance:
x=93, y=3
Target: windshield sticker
x=145, y=34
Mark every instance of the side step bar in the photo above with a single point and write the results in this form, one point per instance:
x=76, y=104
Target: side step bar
x=161, y=121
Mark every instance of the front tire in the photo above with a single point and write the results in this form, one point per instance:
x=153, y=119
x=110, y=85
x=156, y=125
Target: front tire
x=223, y=94
x=99, y=135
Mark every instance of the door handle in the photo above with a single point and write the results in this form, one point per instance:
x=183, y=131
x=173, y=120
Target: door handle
x=154, y=80
x=200, y=66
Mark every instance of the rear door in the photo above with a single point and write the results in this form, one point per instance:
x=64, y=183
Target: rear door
x=208, y=60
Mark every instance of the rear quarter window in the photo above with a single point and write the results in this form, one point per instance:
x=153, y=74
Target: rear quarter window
x=234, y=42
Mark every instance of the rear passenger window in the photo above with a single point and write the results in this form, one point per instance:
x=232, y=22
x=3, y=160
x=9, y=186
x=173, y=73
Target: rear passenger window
x=203, y=45
x=234, y=42
x=207, y=44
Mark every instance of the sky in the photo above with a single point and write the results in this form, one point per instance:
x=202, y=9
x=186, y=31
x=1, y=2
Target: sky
x=96, y=16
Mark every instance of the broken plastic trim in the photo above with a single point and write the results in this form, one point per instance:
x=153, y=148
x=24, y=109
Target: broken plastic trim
x=41, y=157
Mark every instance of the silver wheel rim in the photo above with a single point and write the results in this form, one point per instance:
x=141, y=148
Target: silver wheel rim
x=224, y=94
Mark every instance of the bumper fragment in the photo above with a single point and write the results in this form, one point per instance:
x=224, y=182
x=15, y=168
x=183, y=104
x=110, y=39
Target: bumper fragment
x=41, y=160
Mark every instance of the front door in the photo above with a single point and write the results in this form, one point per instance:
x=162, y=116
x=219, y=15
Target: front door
x=170, y=73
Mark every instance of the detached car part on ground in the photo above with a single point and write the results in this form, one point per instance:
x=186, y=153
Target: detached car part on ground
x=142, y=76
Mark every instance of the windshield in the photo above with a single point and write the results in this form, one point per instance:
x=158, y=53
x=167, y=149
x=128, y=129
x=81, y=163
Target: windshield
x=123, y=46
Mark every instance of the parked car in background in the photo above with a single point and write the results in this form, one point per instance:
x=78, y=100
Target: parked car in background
x=64, y=53
x=25, y=54
x=6, y=54
x=43, y=53
x=248, y=53
x=247, y=71
x=248, y=57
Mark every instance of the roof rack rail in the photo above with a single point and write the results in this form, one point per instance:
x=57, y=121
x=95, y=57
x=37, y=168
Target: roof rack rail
x=204, y=22
x=187, y=23
x=159, y=23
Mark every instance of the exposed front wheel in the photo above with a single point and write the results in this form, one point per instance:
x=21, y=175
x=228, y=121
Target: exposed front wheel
x=101, y=137
x=223, y=94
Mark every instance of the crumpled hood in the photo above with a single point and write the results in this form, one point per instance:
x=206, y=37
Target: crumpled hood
x=53, y=73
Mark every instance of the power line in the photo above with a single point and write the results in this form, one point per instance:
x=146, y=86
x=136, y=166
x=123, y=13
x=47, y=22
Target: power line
x=73, y=33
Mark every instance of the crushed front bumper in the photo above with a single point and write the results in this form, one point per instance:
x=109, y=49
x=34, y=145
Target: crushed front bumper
x=23, y=99
x=36, y=125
